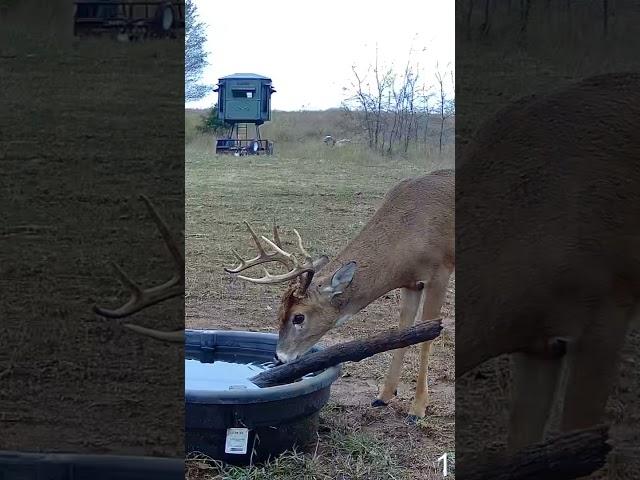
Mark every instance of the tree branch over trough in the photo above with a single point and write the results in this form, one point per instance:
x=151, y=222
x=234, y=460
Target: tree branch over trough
x=571, y=455
x=353, y=351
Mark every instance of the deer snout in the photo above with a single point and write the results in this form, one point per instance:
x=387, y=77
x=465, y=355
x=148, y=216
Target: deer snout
x=282, y=357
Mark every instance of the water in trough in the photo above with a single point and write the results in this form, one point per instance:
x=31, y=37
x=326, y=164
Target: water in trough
x=222, y=371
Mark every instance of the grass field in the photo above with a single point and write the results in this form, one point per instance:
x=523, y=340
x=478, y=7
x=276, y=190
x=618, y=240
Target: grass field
x=77, y=148
x=327, y=194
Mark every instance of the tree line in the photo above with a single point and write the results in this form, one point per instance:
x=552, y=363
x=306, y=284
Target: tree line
x=395, y=110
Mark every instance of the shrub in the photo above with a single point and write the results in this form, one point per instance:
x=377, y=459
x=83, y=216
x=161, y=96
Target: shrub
x=211, y=123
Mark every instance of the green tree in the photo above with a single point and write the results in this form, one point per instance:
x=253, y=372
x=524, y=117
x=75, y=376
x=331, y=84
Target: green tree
x=211, y=123
x=195, y=56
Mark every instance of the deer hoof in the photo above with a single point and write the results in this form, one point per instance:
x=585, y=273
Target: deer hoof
x=379, y=403
x=411, y=419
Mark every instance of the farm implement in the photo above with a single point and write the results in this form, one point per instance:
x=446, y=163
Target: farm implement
x=135, y=19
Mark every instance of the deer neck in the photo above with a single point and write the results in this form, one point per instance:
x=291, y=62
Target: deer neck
x=490, y=323
x=373, y=278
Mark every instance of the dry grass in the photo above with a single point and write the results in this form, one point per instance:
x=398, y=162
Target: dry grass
x=72, y=166
x=339, y=453
x=299, y=135
x=327, y=194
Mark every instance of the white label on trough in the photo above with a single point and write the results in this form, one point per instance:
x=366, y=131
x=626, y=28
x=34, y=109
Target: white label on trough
x=237, y=440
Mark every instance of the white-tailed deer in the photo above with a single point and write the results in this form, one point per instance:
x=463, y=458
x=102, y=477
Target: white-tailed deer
x=144, y=297
x=329, y=140
x=548, y=203
x=408, y=244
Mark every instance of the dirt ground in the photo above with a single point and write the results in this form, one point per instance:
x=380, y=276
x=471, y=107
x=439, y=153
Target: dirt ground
x=327, y=199
x=82, y=133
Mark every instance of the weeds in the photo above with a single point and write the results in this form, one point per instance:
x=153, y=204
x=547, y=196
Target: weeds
x=351, y=456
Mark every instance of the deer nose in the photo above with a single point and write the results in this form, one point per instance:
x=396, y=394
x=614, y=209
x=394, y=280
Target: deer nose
x=284, y=357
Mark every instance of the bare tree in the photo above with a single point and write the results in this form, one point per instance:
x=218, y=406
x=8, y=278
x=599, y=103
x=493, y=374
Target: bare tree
x=487, y=17
x=445, y=107
x=486, y=24
x=425, y=101
x=362, y=100
x=468, y=19
x=525, y=6
x=393, y=109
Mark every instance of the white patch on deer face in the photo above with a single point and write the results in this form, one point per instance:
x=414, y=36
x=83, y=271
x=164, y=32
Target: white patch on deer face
x=285, y=358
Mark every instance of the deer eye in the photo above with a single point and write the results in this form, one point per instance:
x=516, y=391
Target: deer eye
x=298, y=319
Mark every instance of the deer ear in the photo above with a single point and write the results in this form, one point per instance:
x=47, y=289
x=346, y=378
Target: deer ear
x=342, y=278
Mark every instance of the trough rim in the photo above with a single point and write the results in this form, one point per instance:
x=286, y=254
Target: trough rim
x=205, y=339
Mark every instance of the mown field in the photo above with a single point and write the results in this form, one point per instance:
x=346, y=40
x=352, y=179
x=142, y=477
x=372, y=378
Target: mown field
x=77, y=147
x=327, y=194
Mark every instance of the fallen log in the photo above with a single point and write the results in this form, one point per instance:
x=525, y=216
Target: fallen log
x=571, y=455
x=353, y=351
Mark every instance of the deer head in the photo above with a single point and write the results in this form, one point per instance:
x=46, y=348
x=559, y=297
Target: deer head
x=144, y=297
x=308, y=309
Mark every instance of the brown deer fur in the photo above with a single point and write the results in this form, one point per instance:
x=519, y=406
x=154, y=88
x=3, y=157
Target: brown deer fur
x=548, y=197
x=408, y=244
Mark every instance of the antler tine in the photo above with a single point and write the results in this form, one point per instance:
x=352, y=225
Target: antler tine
x=287, y=255
x=295, y=268
x=268, y=278
x=263, y=257
x=237, y=255
x=126, y=279
x=175, y=336
x=141, y=298
x=301, y=247
x=255, y=239
x=171, y=243
x=244, y=264
x=242, y=261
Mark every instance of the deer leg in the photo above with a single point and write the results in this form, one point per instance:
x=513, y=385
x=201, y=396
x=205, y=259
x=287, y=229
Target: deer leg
x=593, y=366
x=409, y=304
x=534, y=383
x=435, y=292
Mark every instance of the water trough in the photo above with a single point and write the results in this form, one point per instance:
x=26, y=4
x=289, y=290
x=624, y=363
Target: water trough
x=230, y=419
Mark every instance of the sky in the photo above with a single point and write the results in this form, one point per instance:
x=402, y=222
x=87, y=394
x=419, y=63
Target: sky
x=308, y=48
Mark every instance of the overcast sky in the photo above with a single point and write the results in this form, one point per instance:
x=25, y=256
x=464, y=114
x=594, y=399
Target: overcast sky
x=308, y=48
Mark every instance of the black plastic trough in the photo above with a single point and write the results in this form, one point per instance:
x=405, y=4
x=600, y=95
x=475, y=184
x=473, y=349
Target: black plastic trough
x=275, y=418
x=59, y=466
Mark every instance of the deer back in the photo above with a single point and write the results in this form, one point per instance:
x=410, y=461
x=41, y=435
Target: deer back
x=549, y=193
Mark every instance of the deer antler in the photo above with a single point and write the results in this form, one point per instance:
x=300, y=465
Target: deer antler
x=296, y=269
x=176, y=336
x=263, y=257
x=141, y=298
